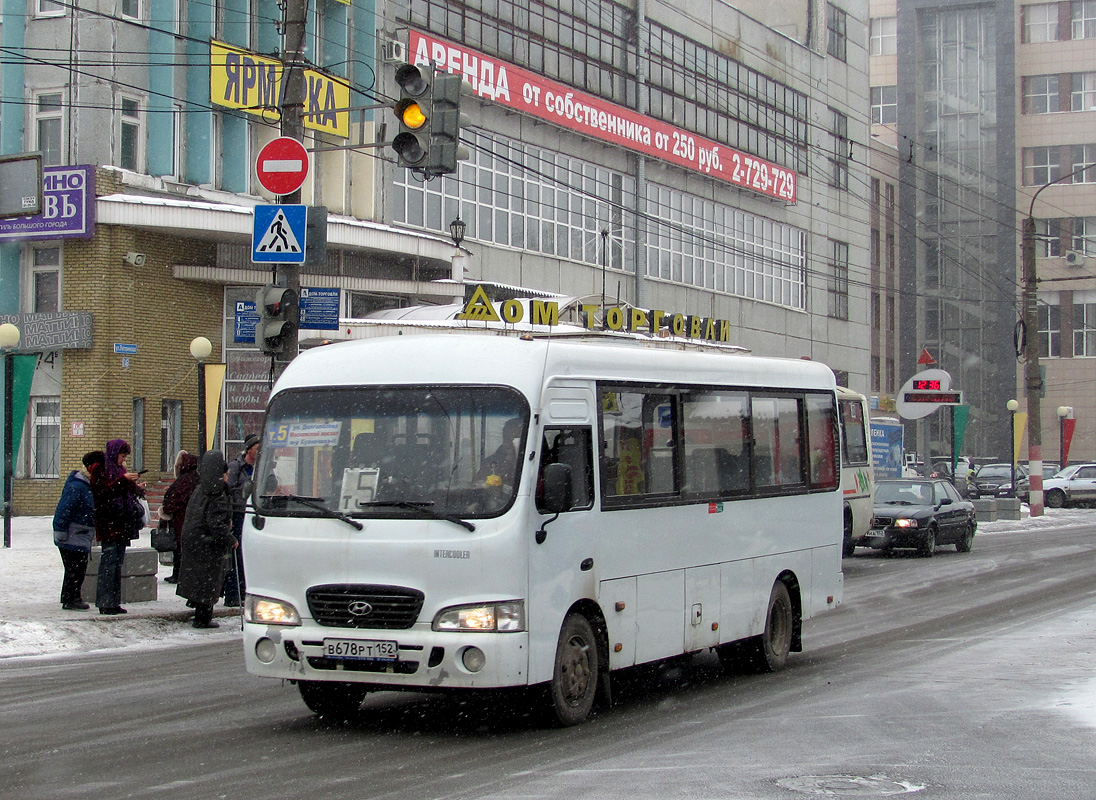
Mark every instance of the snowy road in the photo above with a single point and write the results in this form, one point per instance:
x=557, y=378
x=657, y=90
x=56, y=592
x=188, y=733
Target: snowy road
x=958, y=677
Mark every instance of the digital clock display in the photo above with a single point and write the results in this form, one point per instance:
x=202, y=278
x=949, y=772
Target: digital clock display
x=926, y=386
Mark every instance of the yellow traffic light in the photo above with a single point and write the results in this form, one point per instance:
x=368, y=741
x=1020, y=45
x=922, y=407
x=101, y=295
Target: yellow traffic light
x=412, y=116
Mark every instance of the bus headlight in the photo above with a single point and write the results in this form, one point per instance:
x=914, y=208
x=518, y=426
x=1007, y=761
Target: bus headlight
x=268, y=611
x=506, y=617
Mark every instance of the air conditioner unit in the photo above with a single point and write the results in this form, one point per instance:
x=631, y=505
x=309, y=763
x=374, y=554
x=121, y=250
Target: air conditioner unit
x=393, y=51
x=1074, y=258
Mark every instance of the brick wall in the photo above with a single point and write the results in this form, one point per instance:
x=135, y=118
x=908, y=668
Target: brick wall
x=142, y=305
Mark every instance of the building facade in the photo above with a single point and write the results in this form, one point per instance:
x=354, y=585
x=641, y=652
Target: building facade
x=985, y=105
x=694, y=158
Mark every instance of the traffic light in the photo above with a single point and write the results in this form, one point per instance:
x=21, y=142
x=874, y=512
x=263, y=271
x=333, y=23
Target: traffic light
x=277, y=324
x=412, y=143
x=430, y=121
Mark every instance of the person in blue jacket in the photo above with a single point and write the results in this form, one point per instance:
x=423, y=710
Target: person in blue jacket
x=74, y=528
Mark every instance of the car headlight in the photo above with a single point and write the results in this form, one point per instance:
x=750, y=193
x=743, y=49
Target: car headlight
x=506, y=617
x=268, y=611
x=905, y=523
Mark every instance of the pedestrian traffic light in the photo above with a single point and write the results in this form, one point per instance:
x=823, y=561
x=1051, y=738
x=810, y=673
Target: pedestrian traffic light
x=277, y=325
x=412, y=143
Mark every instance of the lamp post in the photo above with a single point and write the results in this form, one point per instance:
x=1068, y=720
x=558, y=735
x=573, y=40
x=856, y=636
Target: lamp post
x=1013, y=406
x=1033, y=378
x=1064, y=413
x=457, y=229
x=200, y=348
x=9, y=340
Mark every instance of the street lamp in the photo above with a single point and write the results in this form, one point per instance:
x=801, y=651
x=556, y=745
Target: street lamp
x=1064, y=413
x=1013, y=406
x=9, y=340
x=457, y=230
x=1033, y=378
x=200, y=348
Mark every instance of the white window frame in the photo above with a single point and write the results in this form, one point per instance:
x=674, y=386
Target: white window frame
x=884, y=36
x=122, y=12
x=48, y=8
x=1042, y=165
x=36, y=269
x=1084, y=158
x=135, y=121
x=1084, y=235
x=49, y=115
x=1083, y=19
x=36, y=469
x=1049, y=322
x=1084, y=324
x=1041, y=94
x=1040, y=21
x=1083, y=91
x=884, y=105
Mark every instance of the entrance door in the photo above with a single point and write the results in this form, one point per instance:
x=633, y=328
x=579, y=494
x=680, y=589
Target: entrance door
x=171, y=432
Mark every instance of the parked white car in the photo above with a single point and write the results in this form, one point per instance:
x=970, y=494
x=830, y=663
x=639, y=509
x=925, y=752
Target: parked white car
x=1074, y=485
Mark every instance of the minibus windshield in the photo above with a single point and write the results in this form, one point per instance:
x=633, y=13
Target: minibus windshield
x=420, y=452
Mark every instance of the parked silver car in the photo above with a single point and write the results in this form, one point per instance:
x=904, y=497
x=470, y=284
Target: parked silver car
x=1074, y=485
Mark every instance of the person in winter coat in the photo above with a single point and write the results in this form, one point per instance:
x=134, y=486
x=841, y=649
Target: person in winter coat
x=208, y=542
x=240, y=475
x=118, y=521
x=74, y=528
x=175, y=501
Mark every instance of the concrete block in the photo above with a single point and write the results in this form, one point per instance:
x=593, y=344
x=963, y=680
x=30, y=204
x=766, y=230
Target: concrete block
x=1008, y=508
x=138, y=576
x=986, y=510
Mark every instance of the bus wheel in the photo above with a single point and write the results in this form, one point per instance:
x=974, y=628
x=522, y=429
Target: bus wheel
x=849, y=546
x=335, y=700
x=575, y=674
x=769, y=651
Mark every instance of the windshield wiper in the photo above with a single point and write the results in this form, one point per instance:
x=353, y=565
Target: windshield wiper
x=423, y=507
x=316, y=503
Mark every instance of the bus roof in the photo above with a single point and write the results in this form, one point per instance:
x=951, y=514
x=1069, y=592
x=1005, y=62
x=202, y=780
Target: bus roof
x=526, y=364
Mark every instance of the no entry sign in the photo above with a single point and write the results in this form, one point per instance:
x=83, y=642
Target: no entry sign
x=282, y=165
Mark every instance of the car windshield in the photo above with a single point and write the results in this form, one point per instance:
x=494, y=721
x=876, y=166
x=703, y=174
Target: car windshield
x=440, y=452
x=909, y=493
x=997, y=473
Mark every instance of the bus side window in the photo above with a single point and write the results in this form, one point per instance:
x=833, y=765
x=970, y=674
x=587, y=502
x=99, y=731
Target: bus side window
x=570, y=446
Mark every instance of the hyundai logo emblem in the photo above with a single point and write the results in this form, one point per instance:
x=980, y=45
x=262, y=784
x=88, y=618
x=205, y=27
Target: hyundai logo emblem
x=359, y=608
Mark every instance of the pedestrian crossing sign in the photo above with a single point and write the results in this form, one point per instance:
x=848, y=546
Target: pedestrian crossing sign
x=278, y=236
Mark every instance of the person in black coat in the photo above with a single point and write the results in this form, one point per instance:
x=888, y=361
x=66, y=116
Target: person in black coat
x=207, y=540
x=175, y=502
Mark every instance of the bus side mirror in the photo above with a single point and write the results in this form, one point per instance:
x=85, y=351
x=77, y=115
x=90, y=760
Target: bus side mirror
x=557, y=488
x=557, y=495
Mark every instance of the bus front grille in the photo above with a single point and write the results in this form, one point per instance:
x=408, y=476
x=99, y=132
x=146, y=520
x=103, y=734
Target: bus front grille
x=352, y=605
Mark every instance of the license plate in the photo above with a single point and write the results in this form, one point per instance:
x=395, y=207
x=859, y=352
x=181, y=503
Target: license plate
x=360, y=649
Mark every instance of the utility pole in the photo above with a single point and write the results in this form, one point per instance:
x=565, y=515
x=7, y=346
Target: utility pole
x=292, y=113
x=1033, y=376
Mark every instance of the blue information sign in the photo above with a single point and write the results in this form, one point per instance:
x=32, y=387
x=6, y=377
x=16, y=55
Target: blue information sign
x=246, y=318
x=278, y=236
x=125, y=349
x=319, y=308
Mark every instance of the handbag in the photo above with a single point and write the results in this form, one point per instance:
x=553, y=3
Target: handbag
x=163, y=537
x=146, y=512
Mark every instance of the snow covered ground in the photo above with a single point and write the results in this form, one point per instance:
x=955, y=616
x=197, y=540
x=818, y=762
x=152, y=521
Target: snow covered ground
x=32, y=623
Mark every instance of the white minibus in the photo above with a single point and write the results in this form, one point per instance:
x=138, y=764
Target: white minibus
x=475, y=511
x=857, y=472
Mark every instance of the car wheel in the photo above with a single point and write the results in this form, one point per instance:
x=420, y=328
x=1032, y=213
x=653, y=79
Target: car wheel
x=928, y=544
x=966, y=541
x=1056, y=498
x=334, y=700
